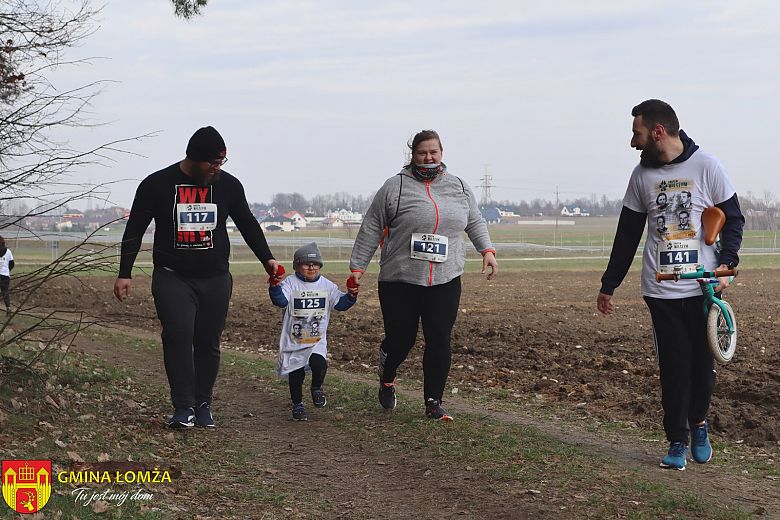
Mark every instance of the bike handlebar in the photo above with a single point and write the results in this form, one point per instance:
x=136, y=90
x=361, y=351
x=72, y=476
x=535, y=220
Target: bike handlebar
x=659, y=277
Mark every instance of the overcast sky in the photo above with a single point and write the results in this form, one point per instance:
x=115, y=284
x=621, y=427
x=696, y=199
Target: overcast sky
x=322, y=96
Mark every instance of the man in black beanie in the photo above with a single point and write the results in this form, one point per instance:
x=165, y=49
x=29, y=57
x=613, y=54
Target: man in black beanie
x=190, y=201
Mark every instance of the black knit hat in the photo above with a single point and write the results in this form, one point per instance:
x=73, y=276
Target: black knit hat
x=205, y=145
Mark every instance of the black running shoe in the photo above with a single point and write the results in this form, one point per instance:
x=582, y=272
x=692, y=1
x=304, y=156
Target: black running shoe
x=387, y=395
x=182, y=418
x=203, y=416
x=318, y=397
x=433, y=410
x=299, y=413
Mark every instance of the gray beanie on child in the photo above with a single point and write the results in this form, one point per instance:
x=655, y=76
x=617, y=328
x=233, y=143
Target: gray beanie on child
x=308, y=253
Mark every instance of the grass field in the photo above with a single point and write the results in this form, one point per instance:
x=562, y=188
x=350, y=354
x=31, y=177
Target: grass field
x=585, y=244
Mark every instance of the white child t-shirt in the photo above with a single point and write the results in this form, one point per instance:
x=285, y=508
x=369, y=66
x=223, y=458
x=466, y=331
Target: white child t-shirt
x=674, y=197
x=305, y=321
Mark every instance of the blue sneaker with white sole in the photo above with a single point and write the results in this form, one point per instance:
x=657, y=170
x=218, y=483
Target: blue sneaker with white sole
x=676, y=457
x=701, y=449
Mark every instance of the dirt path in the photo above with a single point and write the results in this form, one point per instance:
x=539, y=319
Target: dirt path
x=317, y=459
x=375, y=482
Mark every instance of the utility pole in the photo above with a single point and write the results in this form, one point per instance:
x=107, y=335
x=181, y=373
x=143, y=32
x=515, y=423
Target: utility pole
x=486, y=185
x=557, y=212
x=89, y=196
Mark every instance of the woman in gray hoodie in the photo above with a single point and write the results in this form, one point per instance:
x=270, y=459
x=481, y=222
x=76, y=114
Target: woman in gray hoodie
x=417, y=218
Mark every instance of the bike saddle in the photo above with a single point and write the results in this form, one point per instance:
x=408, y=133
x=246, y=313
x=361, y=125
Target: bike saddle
x=712, y=220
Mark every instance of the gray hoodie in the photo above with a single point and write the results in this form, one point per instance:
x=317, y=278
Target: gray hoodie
x=405, y=205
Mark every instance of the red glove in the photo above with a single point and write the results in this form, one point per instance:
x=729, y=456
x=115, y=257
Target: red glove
x=278, y=277
x=352, y=284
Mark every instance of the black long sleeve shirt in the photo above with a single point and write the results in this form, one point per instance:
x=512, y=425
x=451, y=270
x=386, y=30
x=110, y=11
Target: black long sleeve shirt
x=190, y=235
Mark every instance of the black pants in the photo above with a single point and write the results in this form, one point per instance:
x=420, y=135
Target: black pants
x=319, y=366
x=5, y=284
x=685, y=363
x=403, y=307
x=192, y=313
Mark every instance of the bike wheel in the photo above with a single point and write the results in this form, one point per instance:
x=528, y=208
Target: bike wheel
x=722, y=343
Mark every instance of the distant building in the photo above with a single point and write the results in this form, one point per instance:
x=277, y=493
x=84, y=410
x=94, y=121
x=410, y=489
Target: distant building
x=574, y=212
x=277, y=224
x=315, y=221
x=347, y=217
x=492, y=215
x=333, y=222
x=299, y=221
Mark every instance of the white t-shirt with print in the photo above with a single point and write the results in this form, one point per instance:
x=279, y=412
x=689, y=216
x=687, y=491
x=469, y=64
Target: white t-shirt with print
x=674, y=197
x=305, y=321
x=6, y=259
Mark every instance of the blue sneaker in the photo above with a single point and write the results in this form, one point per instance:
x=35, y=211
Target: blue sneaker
x=203, y=416
x=182, y=418
x=701, y=449
x=676, y=458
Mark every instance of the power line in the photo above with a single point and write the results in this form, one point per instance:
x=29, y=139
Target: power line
x=486, y=185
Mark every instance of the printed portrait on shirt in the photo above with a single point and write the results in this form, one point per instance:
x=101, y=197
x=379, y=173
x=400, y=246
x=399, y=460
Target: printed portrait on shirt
x=673, y=209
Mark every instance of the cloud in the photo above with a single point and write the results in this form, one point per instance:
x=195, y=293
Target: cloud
x=539, y=91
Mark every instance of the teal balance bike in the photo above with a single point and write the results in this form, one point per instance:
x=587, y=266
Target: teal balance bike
x=721, y=322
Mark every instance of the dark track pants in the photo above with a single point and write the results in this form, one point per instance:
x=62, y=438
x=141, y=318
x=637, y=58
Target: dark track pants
x=5, y=289
x=192, y=312
x=319, y=366
x=403, y=307
x=685, y=362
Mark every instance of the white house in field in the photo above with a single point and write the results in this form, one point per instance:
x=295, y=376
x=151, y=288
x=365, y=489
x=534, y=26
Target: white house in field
x=334, y=222
x=346, y=216
x=299, y=221
x=277, y=224
x=575, y=212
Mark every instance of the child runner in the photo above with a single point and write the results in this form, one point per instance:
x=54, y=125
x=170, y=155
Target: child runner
x=307, y=299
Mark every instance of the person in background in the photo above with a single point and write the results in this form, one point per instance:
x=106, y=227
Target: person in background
x=6, y=266
x=671, y=162
x=418, y=218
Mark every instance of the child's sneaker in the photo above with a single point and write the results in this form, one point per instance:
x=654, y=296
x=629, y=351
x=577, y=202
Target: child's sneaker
x=299, y=413
x=701, y=449
x=182, y=418
x=387, y=395
x=203, y=416
x=318, y=397
x=433, y=410
x=676, y=457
